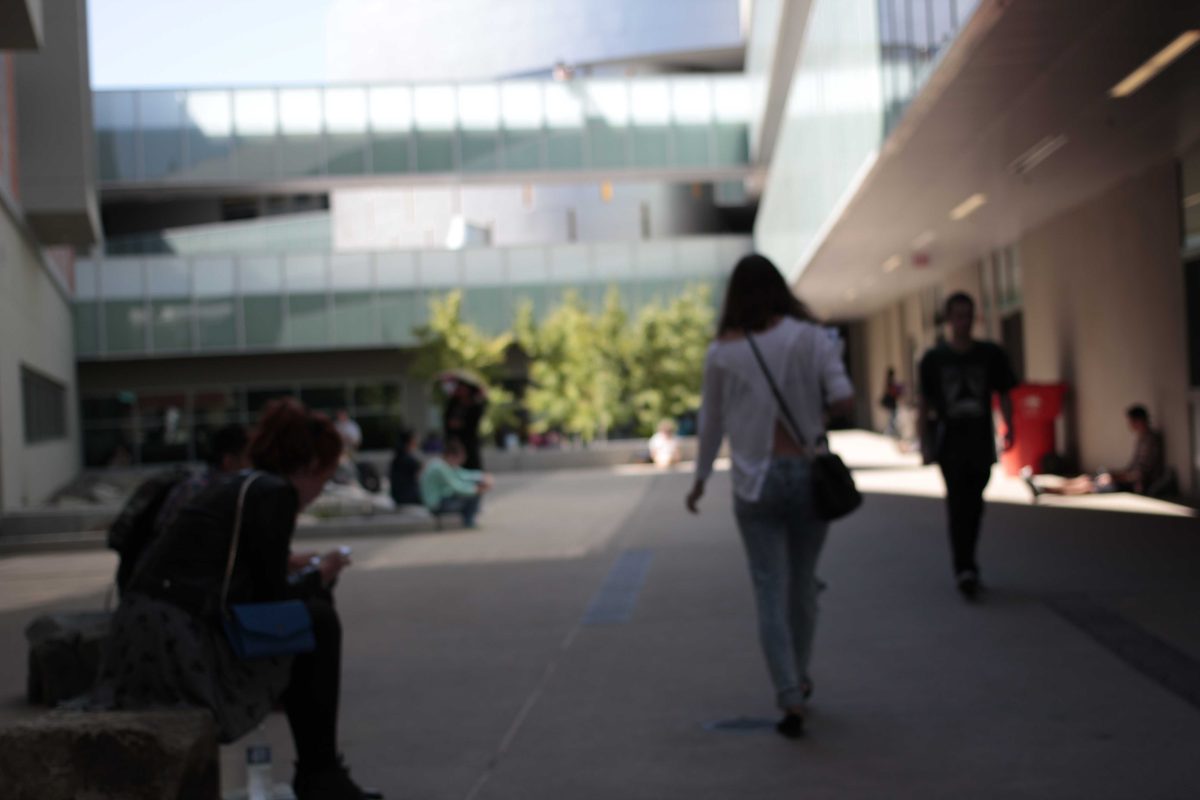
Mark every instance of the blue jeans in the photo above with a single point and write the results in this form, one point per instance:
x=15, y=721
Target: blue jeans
x=468, y=506
x=783, y=539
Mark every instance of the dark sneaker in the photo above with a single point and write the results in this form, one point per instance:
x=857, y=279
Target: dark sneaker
x=791, y=726
x=333, y=783
x=968, y=584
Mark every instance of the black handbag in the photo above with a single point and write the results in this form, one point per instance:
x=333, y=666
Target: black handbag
x=834, y=492
x=262, y=630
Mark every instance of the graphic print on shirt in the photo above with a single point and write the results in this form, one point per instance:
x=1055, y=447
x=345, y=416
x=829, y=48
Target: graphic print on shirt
x=964, y=389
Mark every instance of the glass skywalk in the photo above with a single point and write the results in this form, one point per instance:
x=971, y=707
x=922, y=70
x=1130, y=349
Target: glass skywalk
x=219, y=136
x=131, y=307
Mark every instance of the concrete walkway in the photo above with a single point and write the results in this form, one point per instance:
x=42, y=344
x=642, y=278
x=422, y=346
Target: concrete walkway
x=593, y=640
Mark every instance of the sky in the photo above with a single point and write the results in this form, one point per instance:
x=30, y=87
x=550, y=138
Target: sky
x=218, y=42
x=173, y=43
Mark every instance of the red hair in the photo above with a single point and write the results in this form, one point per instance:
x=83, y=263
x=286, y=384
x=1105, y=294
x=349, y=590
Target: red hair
x=290, y=438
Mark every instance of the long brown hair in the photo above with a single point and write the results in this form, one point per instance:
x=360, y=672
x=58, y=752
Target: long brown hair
x=290, y=438
x=756, y=294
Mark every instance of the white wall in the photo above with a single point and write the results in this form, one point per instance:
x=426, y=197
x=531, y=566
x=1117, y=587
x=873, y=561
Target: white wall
x=830, y=134
x=35, y=330
x=391, y=218
x=1104, y=312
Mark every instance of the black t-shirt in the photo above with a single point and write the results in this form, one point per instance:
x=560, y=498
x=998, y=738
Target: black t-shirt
x=959, y=386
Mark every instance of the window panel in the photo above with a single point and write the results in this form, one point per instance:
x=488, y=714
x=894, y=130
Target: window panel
x=172, y=325
x=161, y=117
x=400, y=311
x=521, y=106
x=329, y=399
x=44, y=406
x=263, y=320
x=116, y=142
x=124, y=326
x=87, y=327
x=307, y=320
x=354, y=318
x=209, y=131
x=216, y=323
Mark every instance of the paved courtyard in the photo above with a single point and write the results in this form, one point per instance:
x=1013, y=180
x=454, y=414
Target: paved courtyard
x=592, y=640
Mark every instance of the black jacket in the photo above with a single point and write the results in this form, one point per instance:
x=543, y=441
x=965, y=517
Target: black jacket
x=186, y=564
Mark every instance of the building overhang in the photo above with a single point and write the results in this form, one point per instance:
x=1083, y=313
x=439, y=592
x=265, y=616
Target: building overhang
x=20, y=24
x=54, y=126
x=1016, y=125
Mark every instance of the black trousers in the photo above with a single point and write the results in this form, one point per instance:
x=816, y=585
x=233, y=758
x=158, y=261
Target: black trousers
x=311, y=698
x=965, y=482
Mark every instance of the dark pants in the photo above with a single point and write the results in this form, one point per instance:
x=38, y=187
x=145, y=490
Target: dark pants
x=965, y=482
x=311, y=698
x=466, y=505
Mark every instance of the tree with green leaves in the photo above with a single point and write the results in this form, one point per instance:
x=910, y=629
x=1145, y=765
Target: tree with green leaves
x=577, y=366
x=666, y=364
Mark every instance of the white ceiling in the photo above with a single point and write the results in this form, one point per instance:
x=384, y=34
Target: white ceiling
x=1021, y=71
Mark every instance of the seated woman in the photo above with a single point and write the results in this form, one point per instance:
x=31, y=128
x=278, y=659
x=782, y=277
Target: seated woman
x=406, y=466
x=664, y=445
x=168, y=647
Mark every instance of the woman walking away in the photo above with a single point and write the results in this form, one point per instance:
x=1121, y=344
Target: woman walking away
x=168, y=645
x=773, y=501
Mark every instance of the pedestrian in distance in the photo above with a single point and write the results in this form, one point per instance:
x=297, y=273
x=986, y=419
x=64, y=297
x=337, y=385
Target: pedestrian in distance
x=959, y=378
x=890, y=401
x=772, y=471
x=466, y=403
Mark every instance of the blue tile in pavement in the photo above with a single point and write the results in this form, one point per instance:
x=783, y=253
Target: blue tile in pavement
x=615, y=601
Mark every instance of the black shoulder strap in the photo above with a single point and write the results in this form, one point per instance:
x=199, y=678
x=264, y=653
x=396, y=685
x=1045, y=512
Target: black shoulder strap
x=787, y=414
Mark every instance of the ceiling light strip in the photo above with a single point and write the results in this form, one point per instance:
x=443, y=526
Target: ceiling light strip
x=1157, y=63
x=968, y=207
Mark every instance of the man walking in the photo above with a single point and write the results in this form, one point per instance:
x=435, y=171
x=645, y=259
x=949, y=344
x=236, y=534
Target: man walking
x=958, y=378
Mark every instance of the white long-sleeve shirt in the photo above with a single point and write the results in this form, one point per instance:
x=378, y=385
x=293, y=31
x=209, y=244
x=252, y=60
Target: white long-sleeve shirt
x=806, y=362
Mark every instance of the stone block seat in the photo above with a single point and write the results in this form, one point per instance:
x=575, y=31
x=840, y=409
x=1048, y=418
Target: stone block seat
x=122, y=755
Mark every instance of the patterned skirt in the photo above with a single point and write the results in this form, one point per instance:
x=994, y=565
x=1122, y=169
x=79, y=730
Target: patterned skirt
x=159, y=656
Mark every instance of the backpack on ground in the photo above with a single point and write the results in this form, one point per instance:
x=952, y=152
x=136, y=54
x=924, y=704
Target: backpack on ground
x=64, y=654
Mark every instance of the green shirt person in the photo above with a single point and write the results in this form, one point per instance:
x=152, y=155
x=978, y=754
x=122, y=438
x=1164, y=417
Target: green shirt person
x=448, y=488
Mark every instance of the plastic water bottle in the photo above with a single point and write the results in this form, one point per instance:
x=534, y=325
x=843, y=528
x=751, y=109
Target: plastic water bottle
x=258, y=767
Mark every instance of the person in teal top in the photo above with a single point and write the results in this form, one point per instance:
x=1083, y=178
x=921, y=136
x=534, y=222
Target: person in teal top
x=448, y=488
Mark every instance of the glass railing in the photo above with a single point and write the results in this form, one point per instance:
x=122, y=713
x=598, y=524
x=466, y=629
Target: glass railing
x=913, y=34
x=131, y=307
x=250, y=135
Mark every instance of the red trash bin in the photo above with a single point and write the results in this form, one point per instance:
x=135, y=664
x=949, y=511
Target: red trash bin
x=1035, y=408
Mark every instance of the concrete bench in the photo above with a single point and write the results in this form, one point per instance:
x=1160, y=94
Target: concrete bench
x=123, y=755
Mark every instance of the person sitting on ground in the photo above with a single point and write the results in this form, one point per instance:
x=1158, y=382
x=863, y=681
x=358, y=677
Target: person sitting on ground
x=168, y=646
x=448, y=488
x=664, y=445
x=1146, y=467
x=405, y=469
